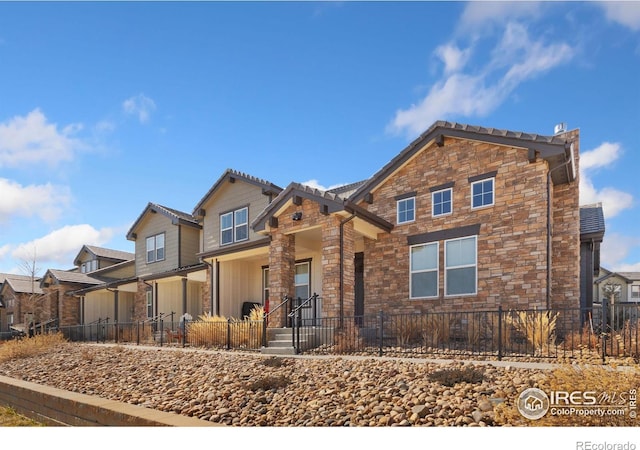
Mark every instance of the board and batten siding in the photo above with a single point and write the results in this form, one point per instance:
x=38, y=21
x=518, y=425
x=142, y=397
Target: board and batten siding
x=170, y=298
x=100, y=305
x=229, y=197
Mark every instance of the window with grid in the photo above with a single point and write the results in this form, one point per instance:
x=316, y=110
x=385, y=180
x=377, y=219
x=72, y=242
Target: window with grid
x=482, y=193
x=406, y=210
x=442, y=202
x=234, y=226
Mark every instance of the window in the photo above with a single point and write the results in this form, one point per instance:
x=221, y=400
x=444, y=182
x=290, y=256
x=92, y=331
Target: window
x=423, y=281
x=89, y=266
x=460, y=266
x=10, y=319
x=234, y=226
x=482, y=193
x=635, y=291
x=149, y=303
x=155, y=248
x=442, y=203
x=406, y=210
x=302, y=280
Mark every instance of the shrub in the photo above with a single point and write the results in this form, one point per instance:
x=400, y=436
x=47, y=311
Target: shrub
x=30, y=346
x=218, y=331
x=347, y=339
x=451, y=377
x=274, y=362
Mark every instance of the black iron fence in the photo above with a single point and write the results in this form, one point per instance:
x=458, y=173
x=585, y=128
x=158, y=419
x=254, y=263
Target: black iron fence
x=604, y=330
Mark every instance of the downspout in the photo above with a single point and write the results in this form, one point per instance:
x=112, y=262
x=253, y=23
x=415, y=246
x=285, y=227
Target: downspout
x=342, y=224
x=549, y=230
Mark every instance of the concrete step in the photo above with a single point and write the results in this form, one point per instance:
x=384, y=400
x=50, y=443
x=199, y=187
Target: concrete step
x=278, y=350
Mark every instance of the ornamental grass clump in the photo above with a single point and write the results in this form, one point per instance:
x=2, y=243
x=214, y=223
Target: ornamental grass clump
x=537, y=327
x=219, y=331
x=30, y=346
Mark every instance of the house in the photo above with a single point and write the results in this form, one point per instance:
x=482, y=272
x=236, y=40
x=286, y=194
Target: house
x=463, y=218
x=591, y=235
x=93, y=266
x=170, y=279
x=628, y=281
x=236, y=257
x=19, y=294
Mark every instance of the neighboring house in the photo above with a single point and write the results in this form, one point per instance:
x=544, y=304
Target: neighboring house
x=170, y=277
x=95, y=267
x=464, y=218
x=19, y=295
x=591, y=235
x=113, y=299
x=629, y=283
x=237, y=258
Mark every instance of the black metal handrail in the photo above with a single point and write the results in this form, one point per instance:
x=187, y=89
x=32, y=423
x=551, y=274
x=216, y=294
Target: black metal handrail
x=296, y=319
x=265, y=318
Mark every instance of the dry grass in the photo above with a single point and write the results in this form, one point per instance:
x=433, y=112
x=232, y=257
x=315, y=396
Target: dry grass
x=32, y=346
x=220, y=331
x=347, y=339
x=537, y=327
x=610, y=387
x=10, y=418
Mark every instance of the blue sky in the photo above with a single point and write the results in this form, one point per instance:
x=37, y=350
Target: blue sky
x=107, y=106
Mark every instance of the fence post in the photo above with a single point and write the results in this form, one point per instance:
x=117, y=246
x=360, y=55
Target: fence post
x=161, y=331
x=138, y=333
x=264, y=329
x=229, y=333
x=499, y=332
x=381, y=333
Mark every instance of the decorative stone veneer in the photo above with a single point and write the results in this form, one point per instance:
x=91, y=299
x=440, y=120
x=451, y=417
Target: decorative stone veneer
x=512, y=241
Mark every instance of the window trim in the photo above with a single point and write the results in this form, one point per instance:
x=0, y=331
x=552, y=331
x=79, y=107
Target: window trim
x=234, y=226
x=474, y=265
x=637, y=286
x=156, y=249
x=403, y=200
x=433, y=202
x=493, y=192
x=149, y=303
x=306, y=262
x=436, y=270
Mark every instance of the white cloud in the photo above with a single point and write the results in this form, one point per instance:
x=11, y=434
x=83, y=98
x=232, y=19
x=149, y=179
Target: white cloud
x=478, y=16
x=139, y=105
x=626, y=13
x=62, y=245
x=32, y=140
x=314, y=184
x=453, y=58
x=515, y=59
x=615, y=249
x=45, y=200
x=613, y=200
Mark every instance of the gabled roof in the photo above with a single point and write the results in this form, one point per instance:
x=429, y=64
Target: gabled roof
x=23, y=285
x=104, y=253
x=68, y=276
x=591, y=222
x=329, y=202
x=555, y=149
x=628, y=277
x=232, y=175
x=177, y=218
x=4, y=276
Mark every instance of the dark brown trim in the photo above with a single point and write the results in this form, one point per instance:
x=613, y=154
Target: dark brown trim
x=442, y=187
x=442, y=235
x=405, y=196
x=233, y=248
x=368, y=198
x=483, y=176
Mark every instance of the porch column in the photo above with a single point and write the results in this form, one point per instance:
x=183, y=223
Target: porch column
x=338, y=268
x=184, y=295
x=115, y=305
x=282, y=261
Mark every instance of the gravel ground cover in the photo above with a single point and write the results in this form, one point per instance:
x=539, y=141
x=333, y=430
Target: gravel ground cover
x=240, y=389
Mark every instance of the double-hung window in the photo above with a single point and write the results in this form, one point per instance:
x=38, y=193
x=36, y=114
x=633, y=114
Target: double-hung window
x=482, y=193
x=635, y=291
x=424, y=270
x=234, y=226
x=406, y=209
x=442, y=202
x=155, y=248
x=149, y=303
x=460, y=261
